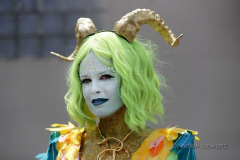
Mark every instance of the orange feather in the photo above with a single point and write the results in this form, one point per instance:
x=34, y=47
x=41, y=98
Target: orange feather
x=155, y=150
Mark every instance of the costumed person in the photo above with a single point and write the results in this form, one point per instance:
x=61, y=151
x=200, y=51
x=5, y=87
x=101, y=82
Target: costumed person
x=112, y=79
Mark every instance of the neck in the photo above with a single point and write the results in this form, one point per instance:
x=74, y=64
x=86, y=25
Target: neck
x=114, y=125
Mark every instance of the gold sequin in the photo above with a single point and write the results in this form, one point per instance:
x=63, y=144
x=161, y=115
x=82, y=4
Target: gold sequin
x=113, y=126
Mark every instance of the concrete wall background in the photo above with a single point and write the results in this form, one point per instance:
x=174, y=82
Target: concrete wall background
x=203, y=73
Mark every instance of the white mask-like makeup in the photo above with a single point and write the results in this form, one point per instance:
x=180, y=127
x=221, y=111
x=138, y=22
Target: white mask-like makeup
x=100, y=86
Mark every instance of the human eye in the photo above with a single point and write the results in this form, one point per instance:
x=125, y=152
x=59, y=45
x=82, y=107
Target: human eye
x=106, y=77
x=86, y=81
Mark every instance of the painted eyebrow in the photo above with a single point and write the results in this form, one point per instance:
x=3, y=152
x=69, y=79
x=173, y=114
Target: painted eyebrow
x=107, y=71
x=83, y=76
x=103, y=72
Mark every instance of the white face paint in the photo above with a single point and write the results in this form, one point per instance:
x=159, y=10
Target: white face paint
x=100, y=86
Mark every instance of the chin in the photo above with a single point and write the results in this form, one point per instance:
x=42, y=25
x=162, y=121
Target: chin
x=102, y=116
x=102, y=113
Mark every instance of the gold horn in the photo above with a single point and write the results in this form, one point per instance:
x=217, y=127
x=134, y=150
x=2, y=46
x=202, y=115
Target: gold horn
x=84, y=27
x=130, y=24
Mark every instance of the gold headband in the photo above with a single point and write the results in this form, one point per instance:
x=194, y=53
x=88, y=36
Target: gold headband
x=127, y=27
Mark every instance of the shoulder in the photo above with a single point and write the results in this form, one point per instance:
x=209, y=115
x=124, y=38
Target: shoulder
x=168, y=143
x=63, y=140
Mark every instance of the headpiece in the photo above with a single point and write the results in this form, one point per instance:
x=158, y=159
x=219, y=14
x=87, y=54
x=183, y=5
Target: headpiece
x=127, y=27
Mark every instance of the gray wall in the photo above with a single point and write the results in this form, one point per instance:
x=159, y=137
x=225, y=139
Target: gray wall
x=203, y=73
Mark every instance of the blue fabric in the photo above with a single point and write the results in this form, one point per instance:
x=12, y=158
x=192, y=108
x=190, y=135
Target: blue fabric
x=184, y=146
x=51, y=153
x=41, y=156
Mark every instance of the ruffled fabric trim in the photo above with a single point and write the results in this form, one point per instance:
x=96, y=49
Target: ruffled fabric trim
x=168, y=144
x=65, y=143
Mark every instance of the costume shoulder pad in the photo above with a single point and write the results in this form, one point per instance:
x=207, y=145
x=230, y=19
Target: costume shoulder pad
x=168, y=144
x=65, y=142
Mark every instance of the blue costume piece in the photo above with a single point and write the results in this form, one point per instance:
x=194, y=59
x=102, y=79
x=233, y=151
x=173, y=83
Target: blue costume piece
x=184, y=146
x=52, y=152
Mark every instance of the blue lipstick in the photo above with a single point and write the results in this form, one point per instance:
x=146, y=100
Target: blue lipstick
x=99, y=101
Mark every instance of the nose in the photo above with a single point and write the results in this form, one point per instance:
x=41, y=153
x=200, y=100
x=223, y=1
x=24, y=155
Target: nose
x=95, y=88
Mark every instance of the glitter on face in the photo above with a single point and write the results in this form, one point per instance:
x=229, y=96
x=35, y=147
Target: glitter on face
x=100, y=81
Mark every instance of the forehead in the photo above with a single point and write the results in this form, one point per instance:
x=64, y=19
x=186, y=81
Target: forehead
x=92, y=63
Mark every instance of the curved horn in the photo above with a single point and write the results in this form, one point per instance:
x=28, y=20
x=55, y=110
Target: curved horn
x=130, y=24
x=84, y=27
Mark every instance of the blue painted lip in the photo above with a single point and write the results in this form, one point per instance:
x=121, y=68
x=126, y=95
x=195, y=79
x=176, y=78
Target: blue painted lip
x=99, y=101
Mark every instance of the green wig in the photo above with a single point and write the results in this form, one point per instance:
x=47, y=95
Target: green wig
x=139, y=82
